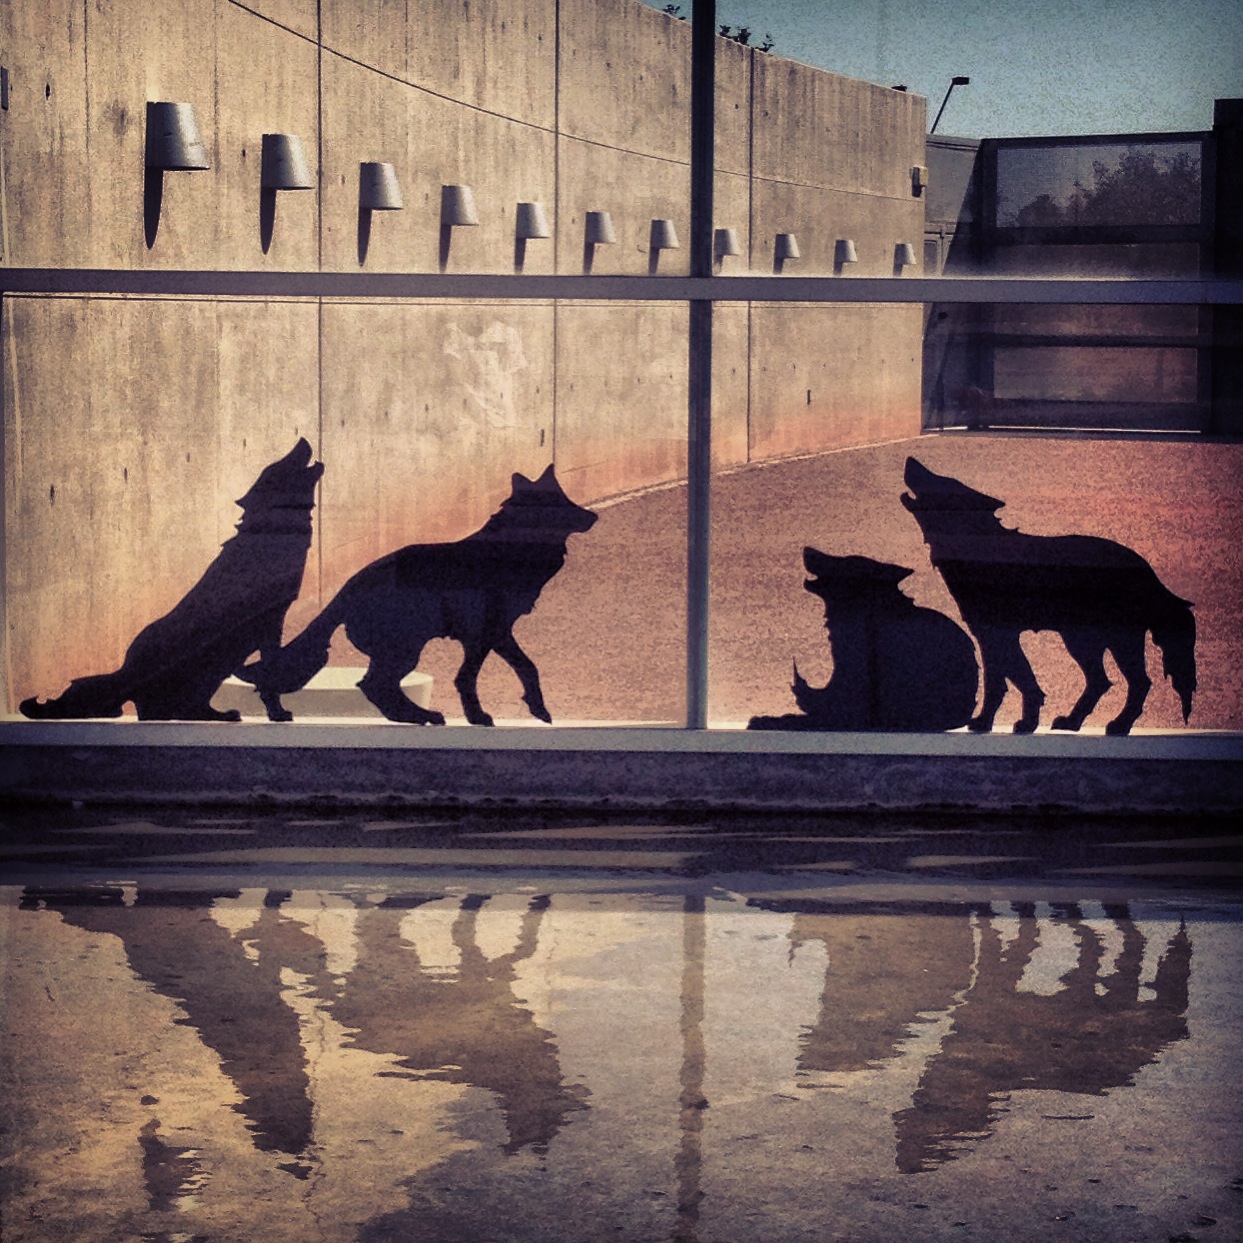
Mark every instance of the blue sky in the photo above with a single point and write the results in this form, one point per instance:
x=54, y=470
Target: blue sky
x=1051, y=67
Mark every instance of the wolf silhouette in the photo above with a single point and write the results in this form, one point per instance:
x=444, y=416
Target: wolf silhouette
x=896, y=665
x=473, y=591
x=176, y=664
x=1098, y=595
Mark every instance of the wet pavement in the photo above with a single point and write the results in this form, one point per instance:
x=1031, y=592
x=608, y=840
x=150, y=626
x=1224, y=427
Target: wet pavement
x=304, y=1026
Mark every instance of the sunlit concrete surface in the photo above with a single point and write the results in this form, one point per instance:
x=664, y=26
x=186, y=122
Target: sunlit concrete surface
x=304, y=1028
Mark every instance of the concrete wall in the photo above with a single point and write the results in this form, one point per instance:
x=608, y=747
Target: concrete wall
x=130, y=425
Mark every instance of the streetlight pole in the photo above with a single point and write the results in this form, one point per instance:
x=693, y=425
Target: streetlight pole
x=958, y=81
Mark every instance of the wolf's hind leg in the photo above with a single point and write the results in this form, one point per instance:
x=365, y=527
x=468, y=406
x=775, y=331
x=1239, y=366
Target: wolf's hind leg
x=509, y=651
x=1128, y=651
x=382, y=686
x=1089, y=654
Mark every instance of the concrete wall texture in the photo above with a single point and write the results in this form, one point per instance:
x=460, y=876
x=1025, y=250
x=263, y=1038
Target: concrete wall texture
x=131, y=424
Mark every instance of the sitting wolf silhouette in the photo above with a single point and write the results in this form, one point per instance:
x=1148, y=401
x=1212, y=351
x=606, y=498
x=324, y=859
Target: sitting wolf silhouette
x=473, y=591
x=176, y=664
x=1098, y=595
x=896, y=666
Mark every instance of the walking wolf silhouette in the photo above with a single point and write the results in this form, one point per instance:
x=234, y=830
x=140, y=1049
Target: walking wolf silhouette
x=473, y=591
x=176, y=664
x=1098, y=595
x=896, y=666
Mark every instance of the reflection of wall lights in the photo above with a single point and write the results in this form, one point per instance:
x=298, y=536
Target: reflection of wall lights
x=377, y=187
x=174, y=142
x=663, y=236
x=903, y=256
x=844, y=252
x=457, y=206
x=600, y=229
x=283, y=164
x=725, y=242
x=531, y=222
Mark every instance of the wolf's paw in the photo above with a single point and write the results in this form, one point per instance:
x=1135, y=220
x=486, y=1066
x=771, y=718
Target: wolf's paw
x=1026, y=725
x=540, y=713
x=479, y=718
x=1118, y=729
x=980, y=724
x=1064, y=722
x=279, y=714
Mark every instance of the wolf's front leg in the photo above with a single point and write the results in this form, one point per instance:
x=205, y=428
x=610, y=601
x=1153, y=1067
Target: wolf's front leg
x=509, y=651
x=467, y=683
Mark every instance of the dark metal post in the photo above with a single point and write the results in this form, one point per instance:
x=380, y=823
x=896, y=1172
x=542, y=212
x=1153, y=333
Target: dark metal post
x=699, y=350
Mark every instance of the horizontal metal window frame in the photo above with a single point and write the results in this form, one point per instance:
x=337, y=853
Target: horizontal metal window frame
x=422, y=285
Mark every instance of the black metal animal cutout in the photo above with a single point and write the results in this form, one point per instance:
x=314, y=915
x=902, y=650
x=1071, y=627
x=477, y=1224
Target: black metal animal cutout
x=1098, y=595
x=896, y=666
x=176, y=664
x=473, y=591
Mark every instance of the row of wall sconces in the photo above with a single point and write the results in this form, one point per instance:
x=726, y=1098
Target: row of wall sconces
x=174, y=143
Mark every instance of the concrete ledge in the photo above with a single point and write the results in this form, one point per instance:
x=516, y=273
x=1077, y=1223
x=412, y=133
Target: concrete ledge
x=580, y=766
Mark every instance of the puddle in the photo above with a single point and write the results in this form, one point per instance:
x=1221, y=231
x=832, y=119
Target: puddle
x=449, y=1058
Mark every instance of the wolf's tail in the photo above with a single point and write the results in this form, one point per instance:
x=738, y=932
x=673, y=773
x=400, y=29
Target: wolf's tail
x=297, y=662
x=1174, y=632
x=100, y=695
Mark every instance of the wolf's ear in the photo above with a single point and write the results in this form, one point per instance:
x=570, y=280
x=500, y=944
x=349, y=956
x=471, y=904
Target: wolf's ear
x=518, y=482
x=549, y=476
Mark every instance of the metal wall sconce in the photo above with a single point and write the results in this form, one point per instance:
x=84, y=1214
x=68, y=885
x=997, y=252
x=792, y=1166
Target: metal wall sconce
x=843, y=253
x=377, y=191
x=663, y=236
x=173, y=144
x=903, y=257
x=597, y=231
x=282, y=166
x=785, y=248
x=600, y=229
x=919, y=179
x=530, y=224
x=457, y=210
x=724, y=242
x=377, y=187
x=457, y=207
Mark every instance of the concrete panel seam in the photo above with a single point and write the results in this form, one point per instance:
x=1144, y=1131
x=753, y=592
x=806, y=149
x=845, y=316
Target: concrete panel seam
x=427, y=90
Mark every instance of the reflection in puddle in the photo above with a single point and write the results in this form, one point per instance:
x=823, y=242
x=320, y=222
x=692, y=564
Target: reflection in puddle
x=377, y=1065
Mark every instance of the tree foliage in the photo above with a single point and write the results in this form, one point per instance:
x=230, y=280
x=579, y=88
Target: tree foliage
x=1142, y=187
x=739, y=34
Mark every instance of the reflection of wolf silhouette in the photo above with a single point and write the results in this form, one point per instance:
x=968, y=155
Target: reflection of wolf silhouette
x=229, y=987
x=473, y=591
x=896, y=666
x=176, y=664
x=1097, y=594
x=464, y=1026
x=1092, y=1035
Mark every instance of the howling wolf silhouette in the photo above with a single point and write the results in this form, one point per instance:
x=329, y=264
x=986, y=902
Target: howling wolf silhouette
x=1098, y=595
x=176, y=664
x=473, y=591
x=896, y=666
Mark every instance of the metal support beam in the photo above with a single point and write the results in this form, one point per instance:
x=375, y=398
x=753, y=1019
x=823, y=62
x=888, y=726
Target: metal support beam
x=699, y=362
